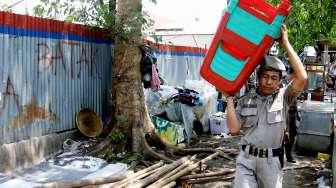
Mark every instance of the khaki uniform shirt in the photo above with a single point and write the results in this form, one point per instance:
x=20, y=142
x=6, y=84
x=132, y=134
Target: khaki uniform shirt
x=264, y=118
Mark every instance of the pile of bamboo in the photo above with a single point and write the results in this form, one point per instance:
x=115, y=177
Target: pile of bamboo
x=157, y=176
x=167, y=175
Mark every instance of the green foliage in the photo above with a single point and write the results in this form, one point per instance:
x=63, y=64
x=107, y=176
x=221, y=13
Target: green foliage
x=131, y=156
x=117, y=136
x=110, y=156
x=310, y=20
x=125, y=157
x=157, y=38
x=5, y=7
x=56, y=9
x=97, y=13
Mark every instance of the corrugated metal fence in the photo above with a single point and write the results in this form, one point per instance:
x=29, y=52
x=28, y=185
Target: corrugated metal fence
x=49, y=70
x=179, y=63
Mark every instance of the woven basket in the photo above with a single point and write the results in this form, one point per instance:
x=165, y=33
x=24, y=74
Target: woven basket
x=89, y=123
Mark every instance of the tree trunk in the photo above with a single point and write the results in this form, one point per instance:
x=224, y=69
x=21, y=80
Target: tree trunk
x=130, y=121
x=129, y=115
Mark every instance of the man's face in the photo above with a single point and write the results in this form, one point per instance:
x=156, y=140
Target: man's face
x=269, y=82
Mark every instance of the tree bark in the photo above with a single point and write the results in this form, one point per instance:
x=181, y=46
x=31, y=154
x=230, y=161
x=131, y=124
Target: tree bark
x=130, y=115
x=130, y=112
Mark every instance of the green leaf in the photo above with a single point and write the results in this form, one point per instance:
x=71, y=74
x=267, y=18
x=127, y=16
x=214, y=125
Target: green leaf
x=89, y=12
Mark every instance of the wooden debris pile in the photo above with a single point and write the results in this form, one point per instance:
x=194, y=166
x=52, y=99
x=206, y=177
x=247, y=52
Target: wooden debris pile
x=161, y=175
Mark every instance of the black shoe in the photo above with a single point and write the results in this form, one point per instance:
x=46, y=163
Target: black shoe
x=291, y=160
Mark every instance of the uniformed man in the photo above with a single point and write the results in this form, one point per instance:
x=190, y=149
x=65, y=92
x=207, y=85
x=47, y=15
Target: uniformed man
x=262, y=114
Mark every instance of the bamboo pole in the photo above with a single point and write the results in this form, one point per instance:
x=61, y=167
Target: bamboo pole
x=162, y=182
x=140, y=174
x=210, y=179
x=81, y=183
x=203, y=175
x=178, y=169
x=170, y=185
x=123, y=183
x=155, y=176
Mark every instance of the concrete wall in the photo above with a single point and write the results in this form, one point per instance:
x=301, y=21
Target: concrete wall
x=26, y=153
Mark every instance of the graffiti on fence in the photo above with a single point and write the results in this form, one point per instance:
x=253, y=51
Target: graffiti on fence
x=47, y=60
x=8, y=92
x=90, y=62
x=28, y=113
x=48, y=70
x=68, y=56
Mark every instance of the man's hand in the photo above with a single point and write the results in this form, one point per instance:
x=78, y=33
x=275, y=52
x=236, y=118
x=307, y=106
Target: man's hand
x=226, y=95
x=232, y=121
x=300, y=75
x=286, y=136
x=284, y=35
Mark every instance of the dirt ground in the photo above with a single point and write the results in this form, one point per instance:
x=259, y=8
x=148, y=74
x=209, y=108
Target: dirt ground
x=304, y=173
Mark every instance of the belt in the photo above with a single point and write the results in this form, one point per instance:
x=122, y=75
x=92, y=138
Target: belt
x=259, y=152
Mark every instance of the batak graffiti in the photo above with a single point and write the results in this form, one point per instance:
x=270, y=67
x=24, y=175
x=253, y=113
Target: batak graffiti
x=63, y=51
x=71, y=57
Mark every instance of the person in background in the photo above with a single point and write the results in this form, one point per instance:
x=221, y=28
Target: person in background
x=332, y=75
x=292, y=127
x=261, y=114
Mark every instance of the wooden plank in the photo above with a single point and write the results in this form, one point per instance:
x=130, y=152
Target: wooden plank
x=81, y=183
